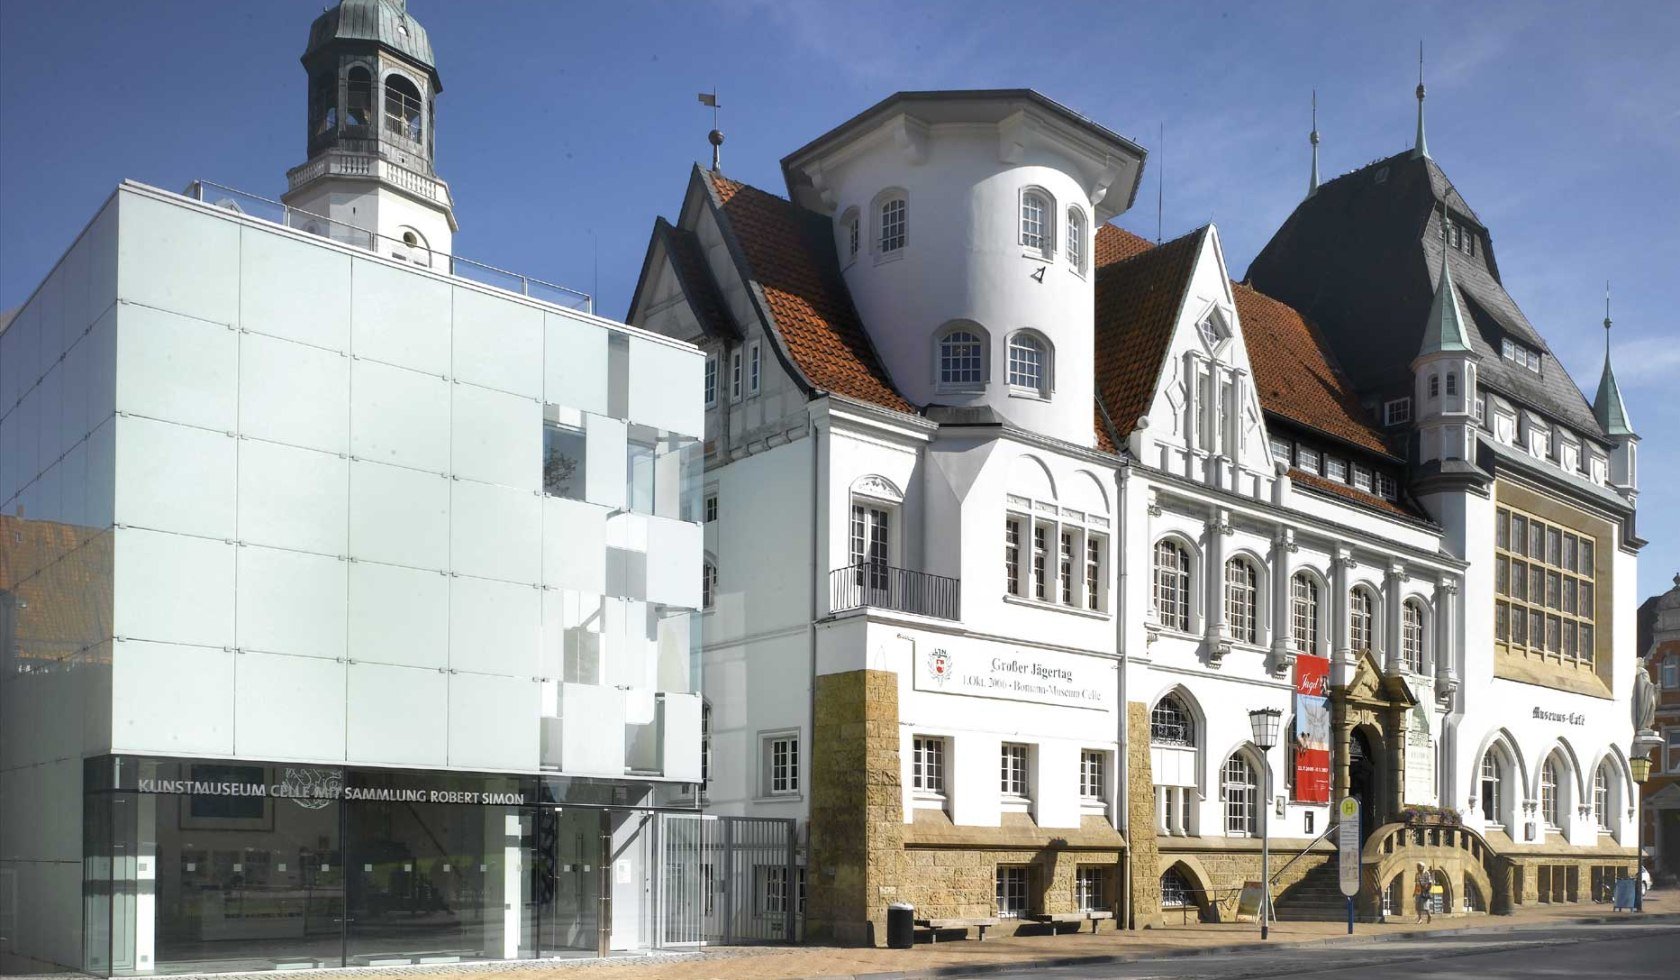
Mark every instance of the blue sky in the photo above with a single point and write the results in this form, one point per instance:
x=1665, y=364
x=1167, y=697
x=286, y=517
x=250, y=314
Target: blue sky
x=564, y=129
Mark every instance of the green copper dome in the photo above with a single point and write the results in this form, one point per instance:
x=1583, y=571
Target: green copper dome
x=383, y=22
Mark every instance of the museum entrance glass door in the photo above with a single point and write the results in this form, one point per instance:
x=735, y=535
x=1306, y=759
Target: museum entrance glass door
x=566, y=879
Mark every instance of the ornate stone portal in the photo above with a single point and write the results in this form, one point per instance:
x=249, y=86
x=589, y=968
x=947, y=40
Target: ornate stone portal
x=1375, y=705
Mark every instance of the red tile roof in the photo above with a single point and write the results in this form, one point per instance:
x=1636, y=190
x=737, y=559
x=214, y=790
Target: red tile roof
x=1295, y=375
x=1304, y=479
x=789, y=252
x=1116, y=244
x=1138, y=299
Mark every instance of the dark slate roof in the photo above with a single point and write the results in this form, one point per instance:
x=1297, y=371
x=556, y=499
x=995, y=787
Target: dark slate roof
x=688, y=261
x=1360, y=259
x=384, y=22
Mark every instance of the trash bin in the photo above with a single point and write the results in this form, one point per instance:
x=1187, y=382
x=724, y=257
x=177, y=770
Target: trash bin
x=901, y=925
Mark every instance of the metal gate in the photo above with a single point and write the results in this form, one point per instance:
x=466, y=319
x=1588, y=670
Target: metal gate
x=729, y=880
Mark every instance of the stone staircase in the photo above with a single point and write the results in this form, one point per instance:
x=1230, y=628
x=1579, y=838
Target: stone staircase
x=1317, y=896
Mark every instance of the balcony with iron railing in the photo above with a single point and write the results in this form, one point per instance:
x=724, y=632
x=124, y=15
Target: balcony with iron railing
x=883, y=586
x=254, y=206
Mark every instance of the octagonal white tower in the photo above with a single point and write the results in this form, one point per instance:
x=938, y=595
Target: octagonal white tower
x=965, y=224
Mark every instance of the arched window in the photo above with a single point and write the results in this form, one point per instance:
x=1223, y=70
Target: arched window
x=1411, y=637
x=1549, y=809
x=1452, y=382
x=1601, y=796
x=403, y=108
x=1493, y=787
x=1029, y=363
x=1172, y=585
x=1361, y=619
x=1170, y=723
x=893, y=225
x=962, y=358
x=358, y=108
x=323, y=103
x=708, y=584
x=1037, y=221
x=1076, y=239
x=1242, y=589
x=850, y=234
x=1303, y=611
x=1175, y=891
x=1237, y=789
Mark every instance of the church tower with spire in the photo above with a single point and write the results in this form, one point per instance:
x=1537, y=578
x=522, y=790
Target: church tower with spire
x=1612, y=415
x=372, y=141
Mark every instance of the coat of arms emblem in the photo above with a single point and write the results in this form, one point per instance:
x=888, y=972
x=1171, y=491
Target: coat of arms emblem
x=939, y=665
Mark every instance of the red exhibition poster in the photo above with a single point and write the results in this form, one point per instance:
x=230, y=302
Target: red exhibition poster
x=1312, y=729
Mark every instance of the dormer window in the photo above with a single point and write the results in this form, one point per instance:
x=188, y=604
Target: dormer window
x=1521, y=355
x=1397, y=412
x=1038, y=230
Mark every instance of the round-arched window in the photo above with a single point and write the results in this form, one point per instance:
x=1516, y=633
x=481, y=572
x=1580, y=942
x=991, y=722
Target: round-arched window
x=1029, y=363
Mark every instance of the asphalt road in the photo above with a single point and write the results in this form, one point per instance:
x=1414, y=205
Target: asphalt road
x=1584, y=952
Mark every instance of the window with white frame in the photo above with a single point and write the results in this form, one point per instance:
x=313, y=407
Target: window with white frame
x=1238, y=790
x=1397, y=411
x=709, y=508
x=871, y=545
x=1041, y=561
x=1362, y=619
x=1282, y=450
x=1307, y=459
x=1388, y=488
x=1304, y=611
x=1493, y=787
x=1362, y=478
x=711, y=380
x=1481, y=407
x=1242, y=593
x=1520, y=354
x=962, y=358
x=1013, y=578
x=1012, y=771
x=1175, y=890
x=893, y=223
x=1549, y=810
x=1037, y=221
x=927, y=765
x=1093, y=571
x=1601, y=797
x=735, y=375
x=753, y=364
x=1170, y=723
x=708, y=584
x=1076, y=240
x=1336, y=468
x=1411, y=636
x=1090, y=888
x=1012, y=892
x=1171, y=585
x=1093, y=768
x=1671, y=673
x=1065, y=569
x=781, y=764
x=1029, y=364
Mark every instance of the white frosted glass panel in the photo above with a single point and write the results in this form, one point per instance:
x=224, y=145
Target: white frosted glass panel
x=399, y=615
x=673, y=564
x=497, y=437
x=495, y=532
x=174, y=257
x=574, y=545
x=292, y=498
x=592, y=726
x=629, y=658
x=171, y=699
x=396, y=716
x=289, y=707
x=497, y=343
x=175, y=478
x=399, y=416
x=399, y=516
x=294, y=288
x=665, y=387
x=677, y=649
x=177, y=368
x=294, y=394
x=574, y=363
x=682, y=748
x=291, y=602
x=172, y=588
x=606, y=467
x=399, y=316
x=493, y=626
x=493, y=722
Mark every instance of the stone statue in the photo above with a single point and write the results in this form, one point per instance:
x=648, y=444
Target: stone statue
x=1644, y=699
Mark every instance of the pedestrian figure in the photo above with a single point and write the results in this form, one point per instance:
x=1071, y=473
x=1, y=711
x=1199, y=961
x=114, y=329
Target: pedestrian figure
x=1421, y=896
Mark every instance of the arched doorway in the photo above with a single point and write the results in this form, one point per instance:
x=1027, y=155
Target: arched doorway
x=1363, y=779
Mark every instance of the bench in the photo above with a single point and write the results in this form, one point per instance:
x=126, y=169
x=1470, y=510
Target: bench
x=936, y=926
x=1054, y=919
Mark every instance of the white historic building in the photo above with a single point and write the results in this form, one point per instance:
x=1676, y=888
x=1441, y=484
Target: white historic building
x=1011, y=517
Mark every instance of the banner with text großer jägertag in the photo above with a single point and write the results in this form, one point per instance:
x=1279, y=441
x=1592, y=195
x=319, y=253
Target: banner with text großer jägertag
x=1312, y=729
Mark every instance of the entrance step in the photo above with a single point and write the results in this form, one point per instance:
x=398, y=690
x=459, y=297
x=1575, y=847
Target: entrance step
x=1316, y=897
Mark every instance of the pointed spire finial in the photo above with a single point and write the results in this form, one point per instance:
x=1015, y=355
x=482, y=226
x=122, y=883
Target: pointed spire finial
x=715, y=137
x=1608, y=406
x=1445, y=330
x=1420, y=149
x=1312, y=185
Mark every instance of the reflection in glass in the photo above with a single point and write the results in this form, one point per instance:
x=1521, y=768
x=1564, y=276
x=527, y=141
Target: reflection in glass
x=563, y=461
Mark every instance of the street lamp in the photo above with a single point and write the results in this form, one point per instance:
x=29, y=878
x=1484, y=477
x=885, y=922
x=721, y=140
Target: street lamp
x=1265, y=723
x=1641, y=766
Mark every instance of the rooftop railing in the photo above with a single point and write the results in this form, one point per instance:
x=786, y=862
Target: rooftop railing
x=900, y=589
x=256, y=206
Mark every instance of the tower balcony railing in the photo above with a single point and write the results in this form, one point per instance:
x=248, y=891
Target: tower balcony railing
x=340, y=163
x=344, y=233
x=899, y=589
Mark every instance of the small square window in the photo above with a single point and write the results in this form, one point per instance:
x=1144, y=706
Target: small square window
x=1362, y=478
x=1282, y=449
x=1336, y=468
x=1093, y=770
x=1306, y=459
x=1013, y=770
x=1397, y=411
x=927, y=765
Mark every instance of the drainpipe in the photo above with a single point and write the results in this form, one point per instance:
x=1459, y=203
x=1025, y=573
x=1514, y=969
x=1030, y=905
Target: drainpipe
x=1123, y=763
x=817, y=576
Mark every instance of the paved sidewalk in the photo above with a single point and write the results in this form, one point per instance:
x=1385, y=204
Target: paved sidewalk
x=967, y=957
